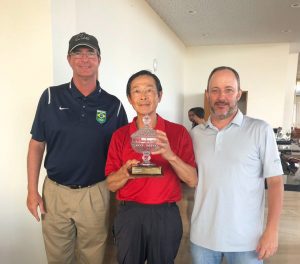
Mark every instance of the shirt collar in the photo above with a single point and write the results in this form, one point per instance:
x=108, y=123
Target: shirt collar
x=77, y=94
x=238, y=119
x=160, y=125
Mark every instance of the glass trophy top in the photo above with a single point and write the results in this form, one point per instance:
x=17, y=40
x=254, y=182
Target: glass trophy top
x=144, y=140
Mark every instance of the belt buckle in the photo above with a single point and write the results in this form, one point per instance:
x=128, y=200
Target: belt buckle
x=75, y=186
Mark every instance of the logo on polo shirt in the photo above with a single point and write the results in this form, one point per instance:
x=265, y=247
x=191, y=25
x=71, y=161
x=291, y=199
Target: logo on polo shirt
x=101, y=116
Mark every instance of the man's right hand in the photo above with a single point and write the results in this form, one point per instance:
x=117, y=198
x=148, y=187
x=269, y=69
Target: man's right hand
x=33, y=202
x=34, y=160
x=118, y=179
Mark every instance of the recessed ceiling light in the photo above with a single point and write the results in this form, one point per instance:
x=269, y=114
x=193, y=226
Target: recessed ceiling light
x=192, y=12
x=295, y=5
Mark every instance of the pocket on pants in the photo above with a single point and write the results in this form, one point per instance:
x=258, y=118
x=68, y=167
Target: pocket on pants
x=49, y=194
x=100, y=197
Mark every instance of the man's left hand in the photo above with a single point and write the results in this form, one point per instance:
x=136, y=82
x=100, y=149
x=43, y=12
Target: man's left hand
x=267, y=245
x=164, y=147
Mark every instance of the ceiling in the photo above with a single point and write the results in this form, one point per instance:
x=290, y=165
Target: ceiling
x=230, y=22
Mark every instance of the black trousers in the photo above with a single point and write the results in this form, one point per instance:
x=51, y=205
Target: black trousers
x=147, y=232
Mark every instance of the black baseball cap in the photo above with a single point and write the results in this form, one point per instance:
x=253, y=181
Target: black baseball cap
x=83, y=39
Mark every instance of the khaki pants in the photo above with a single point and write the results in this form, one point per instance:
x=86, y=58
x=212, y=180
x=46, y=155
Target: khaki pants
x=75, y=227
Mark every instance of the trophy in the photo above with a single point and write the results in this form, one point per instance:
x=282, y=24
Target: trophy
x=144, y=141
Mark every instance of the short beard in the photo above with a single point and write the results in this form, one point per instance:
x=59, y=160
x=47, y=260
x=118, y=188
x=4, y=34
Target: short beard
x=231, y=111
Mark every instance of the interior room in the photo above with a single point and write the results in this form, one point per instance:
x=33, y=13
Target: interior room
x=181, y=42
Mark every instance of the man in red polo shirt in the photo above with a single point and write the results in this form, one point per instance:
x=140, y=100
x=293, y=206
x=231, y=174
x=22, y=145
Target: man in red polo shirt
x=148, y=224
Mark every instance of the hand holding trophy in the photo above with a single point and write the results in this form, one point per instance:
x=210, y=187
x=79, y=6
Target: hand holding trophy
x=144, y=141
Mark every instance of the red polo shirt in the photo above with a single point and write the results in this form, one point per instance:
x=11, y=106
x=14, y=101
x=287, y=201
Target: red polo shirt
x=150, y=190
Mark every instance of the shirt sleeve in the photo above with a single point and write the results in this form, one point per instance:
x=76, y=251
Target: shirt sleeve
x=38, y=126
x=114, y=157
x=270, y=154
x=186, y=151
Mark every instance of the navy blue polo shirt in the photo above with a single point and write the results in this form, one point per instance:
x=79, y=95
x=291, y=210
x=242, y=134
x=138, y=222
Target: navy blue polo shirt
x=77, y=130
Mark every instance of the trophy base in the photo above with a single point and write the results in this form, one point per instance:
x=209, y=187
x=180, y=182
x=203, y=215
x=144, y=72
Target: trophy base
x=146, y=171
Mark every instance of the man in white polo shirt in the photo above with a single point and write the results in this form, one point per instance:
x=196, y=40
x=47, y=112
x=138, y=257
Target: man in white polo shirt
x=234, y=155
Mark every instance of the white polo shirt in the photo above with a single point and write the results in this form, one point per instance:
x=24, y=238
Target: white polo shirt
x=229, y=200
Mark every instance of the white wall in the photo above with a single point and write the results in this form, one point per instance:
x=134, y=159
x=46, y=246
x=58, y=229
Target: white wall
x=25, y=69
x=131, y=36
x=288, y=119
x=297, y=109
x=267, y=72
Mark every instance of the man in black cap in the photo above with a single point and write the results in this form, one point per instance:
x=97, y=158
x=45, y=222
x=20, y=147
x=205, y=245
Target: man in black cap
x=75, y=122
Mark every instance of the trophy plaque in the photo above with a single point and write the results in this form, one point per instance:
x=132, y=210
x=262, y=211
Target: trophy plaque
x=144, y=141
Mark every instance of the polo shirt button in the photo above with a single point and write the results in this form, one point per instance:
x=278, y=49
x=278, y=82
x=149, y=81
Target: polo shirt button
x=83, y=106
x=83, y=115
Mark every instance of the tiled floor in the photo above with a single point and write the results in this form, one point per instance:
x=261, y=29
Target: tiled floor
x=289, y=237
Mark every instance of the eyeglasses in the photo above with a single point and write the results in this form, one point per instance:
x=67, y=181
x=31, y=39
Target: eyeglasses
x=81, y=55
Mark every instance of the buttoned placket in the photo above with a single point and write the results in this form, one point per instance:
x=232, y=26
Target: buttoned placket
x=83, y=114
x=219, y=139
